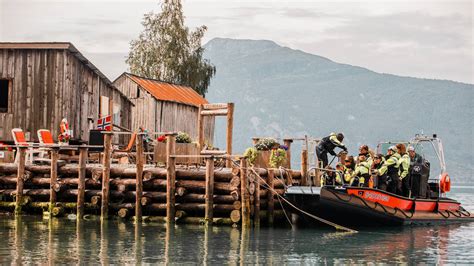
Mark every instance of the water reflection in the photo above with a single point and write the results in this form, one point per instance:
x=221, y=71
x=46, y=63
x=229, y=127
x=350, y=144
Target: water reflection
x=61, y=241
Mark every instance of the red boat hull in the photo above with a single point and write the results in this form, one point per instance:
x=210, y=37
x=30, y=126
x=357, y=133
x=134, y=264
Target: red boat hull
x=405, y=204
x=360, y=207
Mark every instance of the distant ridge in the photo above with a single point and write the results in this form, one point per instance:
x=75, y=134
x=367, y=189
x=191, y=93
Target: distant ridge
x=280, y=91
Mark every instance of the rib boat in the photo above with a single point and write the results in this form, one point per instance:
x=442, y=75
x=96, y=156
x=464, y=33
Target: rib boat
x=363, y=206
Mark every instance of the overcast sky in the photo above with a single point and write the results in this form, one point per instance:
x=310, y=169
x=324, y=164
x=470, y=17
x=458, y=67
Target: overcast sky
x=428, y=39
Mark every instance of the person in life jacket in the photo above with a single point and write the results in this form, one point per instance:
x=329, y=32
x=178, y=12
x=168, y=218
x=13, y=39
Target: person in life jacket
x=339, y=174
x=327, y=145
x=349, y=167
x=368, y=153
x=361, y=174
x=376, y=165
x=329, y=177
x=390, y=167
x=404, y=186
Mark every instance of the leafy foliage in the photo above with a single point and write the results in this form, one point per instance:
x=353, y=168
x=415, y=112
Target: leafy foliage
x=251, y=154
x=266, y=144
x=277, y=157
x=166, y=50
x=183, y=137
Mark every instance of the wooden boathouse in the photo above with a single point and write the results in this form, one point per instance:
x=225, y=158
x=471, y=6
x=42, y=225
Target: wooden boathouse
x=42, y=83
x=160, y=106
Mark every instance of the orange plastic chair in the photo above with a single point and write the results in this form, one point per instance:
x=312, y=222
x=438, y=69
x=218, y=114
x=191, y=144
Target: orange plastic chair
x=20, y=139
x=19, y=136
x=46, y=138
x=130, y=143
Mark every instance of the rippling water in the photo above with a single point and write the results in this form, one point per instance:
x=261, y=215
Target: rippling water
x=61, y=241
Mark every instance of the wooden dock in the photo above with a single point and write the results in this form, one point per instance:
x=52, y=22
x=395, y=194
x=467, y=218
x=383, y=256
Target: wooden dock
x=207, y=193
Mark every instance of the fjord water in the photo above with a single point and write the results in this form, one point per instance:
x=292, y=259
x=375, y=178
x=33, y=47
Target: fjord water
x=62, y=241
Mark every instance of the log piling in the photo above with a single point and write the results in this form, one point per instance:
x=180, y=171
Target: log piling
x=104, y=210
x=170, y=177
x=211, y=195
x=140, y=158
x=19, y=178
x=81, y=186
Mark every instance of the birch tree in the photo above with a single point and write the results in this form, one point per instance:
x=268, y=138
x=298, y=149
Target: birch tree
x=168, y=51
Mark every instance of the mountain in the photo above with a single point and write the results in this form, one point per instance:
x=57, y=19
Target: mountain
x=283, y=92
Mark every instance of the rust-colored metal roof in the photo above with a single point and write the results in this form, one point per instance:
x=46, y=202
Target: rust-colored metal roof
x=169, y=92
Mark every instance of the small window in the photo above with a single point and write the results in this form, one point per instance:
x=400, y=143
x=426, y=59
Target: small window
x=138, y=92
x=4, y=93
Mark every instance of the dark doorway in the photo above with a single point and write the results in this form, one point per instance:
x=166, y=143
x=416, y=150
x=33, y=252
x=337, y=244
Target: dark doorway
x=4, y=93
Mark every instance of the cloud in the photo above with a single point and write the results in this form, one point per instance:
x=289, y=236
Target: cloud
x=423, y=38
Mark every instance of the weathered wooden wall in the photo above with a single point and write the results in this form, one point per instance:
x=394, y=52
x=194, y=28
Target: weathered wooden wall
x=157, y=115
x=52, y=84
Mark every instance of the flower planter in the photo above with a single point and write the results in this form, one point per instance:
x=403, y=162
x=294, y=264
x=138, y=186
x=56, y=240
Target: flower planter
x=263, y=160
x=7, y=156
x=181, y=149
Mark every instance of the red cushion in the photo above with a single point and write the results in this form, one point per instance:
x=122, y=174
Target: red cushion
x=46, y=137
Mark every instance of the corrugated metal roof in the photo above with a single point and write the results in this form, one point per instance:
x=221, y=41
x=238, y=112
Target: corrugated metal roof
x=169, y=92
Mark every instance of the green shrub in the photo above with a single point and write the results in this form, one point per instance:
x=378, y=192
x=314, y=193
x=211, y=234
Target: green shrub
x=277, y=157
x=251, y=155
x=183, y=137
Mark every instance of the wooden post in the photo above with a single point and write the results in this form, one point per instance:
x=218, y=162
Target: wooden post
x=139, y=187
x=170, y=178
x=81, y=186
x=287, y=143
x=104, y=210
x=304, y=167
x=111, y=113
x=53, y=178
x=156, y=154
x=209, y=197
x=200, y=128
x=270, y=196
x=19, y=178
x=257, y=202
x=245, y=193
x=230, y=126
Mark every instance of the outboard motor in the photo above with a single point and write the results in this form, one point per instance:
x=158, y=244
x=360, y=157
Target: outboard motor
x=420, y=173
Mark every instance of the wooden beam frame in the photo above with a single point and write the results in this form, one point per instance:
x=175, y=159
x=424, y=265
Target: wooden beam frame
x=217, y=109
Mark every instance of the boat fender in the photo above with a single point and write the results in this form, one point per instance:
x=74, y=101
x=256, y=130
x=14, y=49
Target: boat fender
x=445, y=183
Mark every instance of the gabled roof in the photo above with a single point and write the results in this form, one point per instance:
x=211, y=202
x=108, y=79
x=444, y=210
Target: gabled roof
x=169, y=92
x=59, y=46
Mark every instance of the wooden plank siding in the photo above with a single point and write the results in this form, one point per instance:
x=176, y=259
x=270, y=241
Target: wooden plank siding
x=157, y=115
x=49, y=85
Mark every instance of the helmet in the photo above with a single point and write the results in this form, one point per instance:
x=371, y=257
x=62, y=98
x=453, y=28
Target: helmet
x=411, y=148
x=340, y=136
x=393, y=148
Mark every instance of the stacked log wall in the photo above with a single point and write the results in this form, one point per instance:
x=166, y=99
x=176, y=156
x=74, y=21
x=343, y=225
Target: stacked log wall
x=190, y=189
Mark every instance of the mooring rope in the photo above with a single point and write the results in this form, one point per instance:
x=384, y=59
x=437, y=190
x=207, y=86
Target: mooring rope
x=336, y=226
x=284, y=212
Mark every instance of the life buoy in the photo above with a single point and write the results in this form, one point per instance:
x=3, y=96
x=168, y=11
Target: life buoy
x=64, y=126
x=445, y=183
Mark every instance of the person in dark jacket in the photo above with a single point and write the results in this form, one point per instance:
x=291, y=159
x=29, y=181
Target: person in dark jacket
x=390, y=168
x=415, y=159
x=327, y=145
